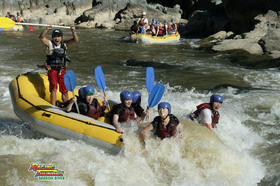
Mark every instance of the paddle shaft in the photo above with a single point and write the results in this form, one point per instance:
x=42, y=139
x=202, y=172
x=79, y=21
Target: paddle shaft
x=107, y=101
x=76, y=104
x=36, y=24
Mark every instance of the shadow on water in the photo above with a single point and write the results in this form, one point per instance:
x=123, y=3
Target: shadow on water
x=247, y=60
x=157, y=65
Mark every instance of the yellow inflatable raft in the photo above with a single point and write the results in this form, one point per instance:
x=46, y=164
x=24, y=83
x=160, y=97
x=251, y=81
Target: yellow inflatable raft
x=149, y=39
x=13, y=29
x=31, y=101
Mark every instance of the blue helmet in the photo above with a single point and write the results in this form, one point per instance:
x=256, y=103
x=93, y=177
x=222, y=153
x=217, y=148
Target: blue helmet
x=158, y=22
x=134, y=22
x=216, y=98
x=165, y=105
x=172, y=19
x=166, y=21
x=88, y=90
x=153, y=19
x=136, y=97
x=84, y=91
x=81, y=92
x=125, y=95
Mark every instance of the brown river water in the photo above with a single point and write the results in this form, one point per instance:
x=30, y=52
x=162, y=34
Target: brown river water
x=249, y=125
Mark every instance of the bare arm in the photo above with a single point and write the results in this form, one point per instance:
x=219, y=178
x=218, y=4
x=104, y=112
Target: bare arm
x=157, y=32
x=42, y=37
x=75, y=38
x=116, y=123
x=209, y=126
x=145, y=131
x=69, y=106
x=179, y=130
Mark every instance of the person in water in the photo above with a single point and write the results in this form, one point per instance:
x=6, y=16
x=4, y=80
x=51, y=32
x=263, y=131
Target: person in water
x=166, y=125
x=56, y=59
x=136, y=103
x=87, y=103
x=124, y=111
x=207, y=113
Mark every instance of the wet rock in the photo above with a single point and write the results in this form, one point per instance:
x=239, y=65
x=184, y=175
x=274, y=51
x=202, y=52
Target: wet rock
x=205, y=23
x=242, y=13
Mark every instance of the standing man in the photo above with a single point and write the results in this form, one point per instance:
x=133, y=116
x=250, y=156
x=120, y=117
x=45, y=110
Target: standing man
x=56, y=60
x=207, y=113
x=143, y=23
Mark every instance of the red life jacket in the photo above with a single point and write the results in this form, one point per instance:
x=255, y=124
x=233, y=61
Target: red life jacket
x=215, y=114
x=168, y=28
x=94, y=111
x=160, y=30
x=167, y=131
x=127, y=114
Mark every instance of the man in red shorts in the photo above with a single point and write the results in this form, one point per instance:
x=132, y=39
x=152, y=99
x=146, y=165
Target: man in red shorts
x=56, y=60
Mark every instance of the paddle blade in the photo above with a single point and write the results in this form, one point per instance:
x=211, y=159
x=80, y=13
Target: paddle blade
x=99, y=76
x=30, y=28
x=6, y=23
x=121, y=38
x=70, y=81
x=156, y=94
x=150, y=78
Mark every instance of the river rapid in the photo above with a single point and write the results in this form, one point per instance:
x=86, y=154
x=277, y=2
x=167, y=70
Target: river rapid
x=246, y=151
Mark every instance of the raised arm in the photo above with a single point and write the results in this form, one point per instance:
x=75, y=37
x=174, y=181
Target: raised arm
x=42, y=37
x=75, y=38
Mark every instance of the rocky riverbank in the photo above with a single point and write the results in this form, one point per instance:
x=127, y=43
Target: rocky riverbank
x=226, y=25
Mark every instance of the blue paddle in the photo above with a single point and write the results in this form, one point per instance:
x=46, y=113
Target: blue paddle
x=70, y=84
x=156, y=95
x=99, y=76
x=150, y=78
x=121, y=38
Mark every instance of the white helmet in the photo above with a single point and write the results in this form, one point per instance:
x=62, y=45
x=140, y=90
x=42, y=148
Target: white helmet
x=143, y=13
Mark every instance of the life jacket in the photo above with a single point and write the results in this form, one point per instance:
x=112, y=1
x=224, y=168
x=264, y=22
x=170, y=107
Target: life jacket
x=18, y=19
x=94, y=109
x=13, y=17
x=166, y=131
x=215, y=114
x=57, y=60
x=168, y=28
x=174, y=26
x=142, y=22
x=138, y=109
x=160, y=30
x=126, y=114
